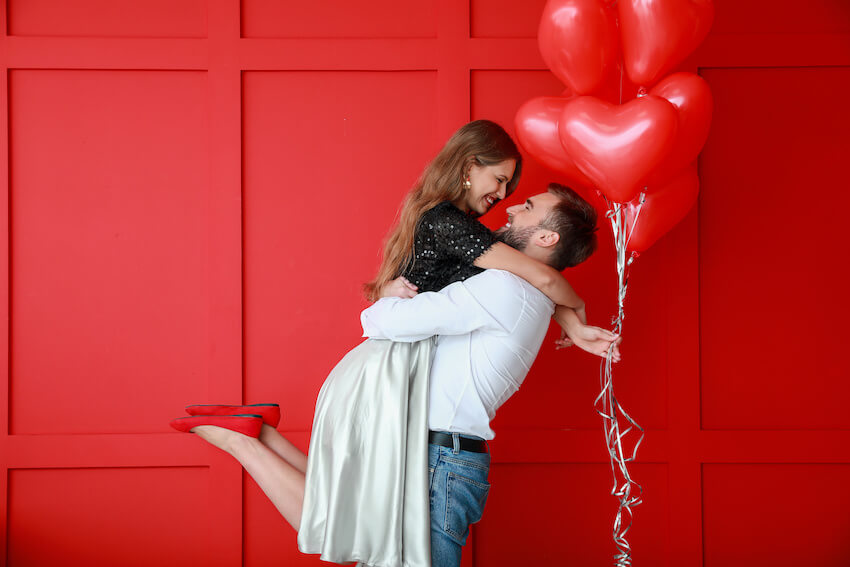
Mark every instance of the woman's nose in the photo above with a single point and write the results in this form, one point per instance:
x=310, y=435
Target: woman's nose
x=502, y=191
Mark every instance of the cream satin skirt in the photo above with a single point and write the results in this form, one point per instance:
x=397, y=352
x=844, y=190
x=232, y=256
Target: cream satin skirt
x=366, y=493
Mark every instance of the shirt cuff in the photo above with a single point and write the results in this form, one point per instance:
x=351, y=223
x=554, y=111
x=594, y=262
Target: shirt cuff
x=370, y=318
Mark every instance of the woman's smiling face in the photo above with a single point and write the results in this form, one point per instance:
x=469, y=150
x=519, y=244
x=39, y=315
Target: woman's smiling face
x=488, y=185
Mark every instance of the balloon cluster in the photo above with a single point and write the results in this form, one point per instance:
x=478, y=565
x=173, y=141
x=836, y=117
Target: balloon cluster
x=635, y=159
x=642, y=150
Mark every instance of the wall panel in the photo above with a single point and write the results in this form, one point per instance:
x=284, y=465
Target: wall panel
x=779, y=515
x=771, y=227
x=338, y=18
x=132, y=516
x=362, y=138
x=766, y=17
x=109, y=281
x=560, y=514
x=107, y=18
x=504, y=18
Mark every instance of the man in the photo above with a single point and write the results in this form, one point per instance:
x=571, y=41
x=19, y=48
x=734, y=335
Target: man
x=490, y=328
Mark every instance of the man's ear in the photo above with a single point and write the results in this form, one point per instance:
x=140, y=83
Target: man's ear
x=546, y=238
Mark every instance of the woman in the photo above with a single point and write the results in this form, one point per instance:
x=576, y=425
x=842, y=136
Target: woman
x=368, y=448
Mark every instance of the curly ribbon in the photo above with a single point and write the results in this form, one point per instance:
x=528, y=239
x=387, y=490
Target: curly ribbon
x=609, y=407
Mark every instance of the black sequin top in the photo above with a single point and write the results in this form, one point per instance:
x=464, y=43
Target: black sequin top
x=446, y=243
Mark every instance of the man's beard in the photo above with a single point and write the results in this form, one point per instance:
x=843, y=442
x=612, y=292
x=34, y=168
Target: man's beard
x=516, y=237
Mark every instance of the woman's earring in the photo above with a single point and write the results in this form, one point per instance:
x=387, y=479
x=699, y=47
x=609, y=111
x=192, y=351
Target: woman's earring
x=467, y=184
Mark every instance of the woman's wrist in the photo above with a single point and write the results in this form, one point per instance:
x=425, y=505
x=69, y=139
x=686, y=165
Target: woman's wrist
x=567, y=318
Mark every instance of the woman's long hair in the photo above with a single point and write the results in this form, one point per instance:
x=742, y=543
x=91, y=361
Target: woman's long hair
x=482, y=142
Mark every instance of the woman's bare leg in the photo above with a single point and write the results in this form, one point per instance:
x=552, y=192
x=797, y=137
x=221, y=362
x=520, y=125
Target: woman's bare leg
x=281, y=446
x=282, y=482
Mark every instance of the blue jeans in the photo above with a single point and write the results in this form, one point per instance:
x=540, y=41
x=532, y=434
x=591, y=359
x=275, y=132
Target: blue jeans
x=458, y=489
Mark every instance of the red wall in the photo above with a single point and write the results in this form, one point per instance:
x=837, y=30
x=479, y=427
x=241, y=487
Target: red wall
x=197, y=189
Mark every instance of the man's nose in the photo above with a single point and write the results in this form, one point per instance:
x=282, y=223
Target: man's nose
x=512, y=210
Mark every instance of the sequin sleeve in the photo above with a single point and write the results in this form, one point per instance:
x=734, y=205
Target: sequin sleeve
x=446, y=243
x=457, y=236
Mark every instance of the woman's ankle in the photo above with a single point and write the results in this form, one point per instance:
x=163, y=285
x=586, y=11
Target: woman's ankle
x=222, y=438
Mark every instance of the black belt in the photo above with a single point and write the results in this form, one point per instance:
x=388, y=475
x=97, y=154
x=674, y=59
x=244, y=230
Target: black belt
x=445, y=440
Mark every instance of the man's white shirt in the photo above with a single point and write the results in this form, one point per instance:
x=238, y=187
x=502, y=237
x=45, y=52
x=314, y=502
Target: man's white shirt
x=489, y=329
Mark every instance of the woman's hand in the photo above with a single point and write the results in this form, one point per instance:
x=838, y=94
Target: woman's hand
x=399, y=287
x=564, y=342
x=591, y=339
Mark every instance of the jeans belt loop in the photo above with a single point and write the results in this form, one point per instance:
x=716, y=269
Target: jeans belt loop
x=456, y=443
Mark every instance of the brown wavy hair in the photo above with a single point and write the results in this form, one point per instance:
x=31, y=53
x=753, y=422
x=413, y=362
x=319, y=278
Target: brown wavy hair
x=481, y=142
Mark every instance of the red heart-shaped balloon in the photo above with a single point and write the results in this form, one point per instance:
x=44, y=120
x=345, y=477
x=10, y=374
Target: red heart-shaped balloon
x=657, y=35
x=537, y=132
x=662, y=209
x=691, y=96
x=615, y=88
x=579, y=42
x=618, y=146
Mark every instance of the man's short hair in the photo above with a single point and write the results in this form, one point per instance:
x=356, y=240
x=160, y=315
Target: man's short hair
x=574, y=219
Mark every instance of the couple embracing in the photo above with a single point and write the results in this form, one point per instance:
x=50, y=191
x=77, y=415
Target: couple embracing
x=398, y=462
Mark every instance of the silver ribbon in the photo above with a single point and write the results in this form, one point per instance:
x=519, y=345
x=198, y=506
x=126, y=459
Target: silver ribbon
x=606, y=403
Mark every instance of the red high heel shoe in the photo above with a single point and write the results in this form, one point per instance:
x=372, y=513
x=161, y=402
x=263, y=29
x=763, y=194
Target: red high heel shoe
x=246, y=424
x=269, y=412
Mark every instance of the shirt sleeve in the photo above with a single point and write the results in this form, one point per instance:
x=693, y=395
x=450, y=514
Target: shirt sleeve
x=479, y=303
x=457, y=235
